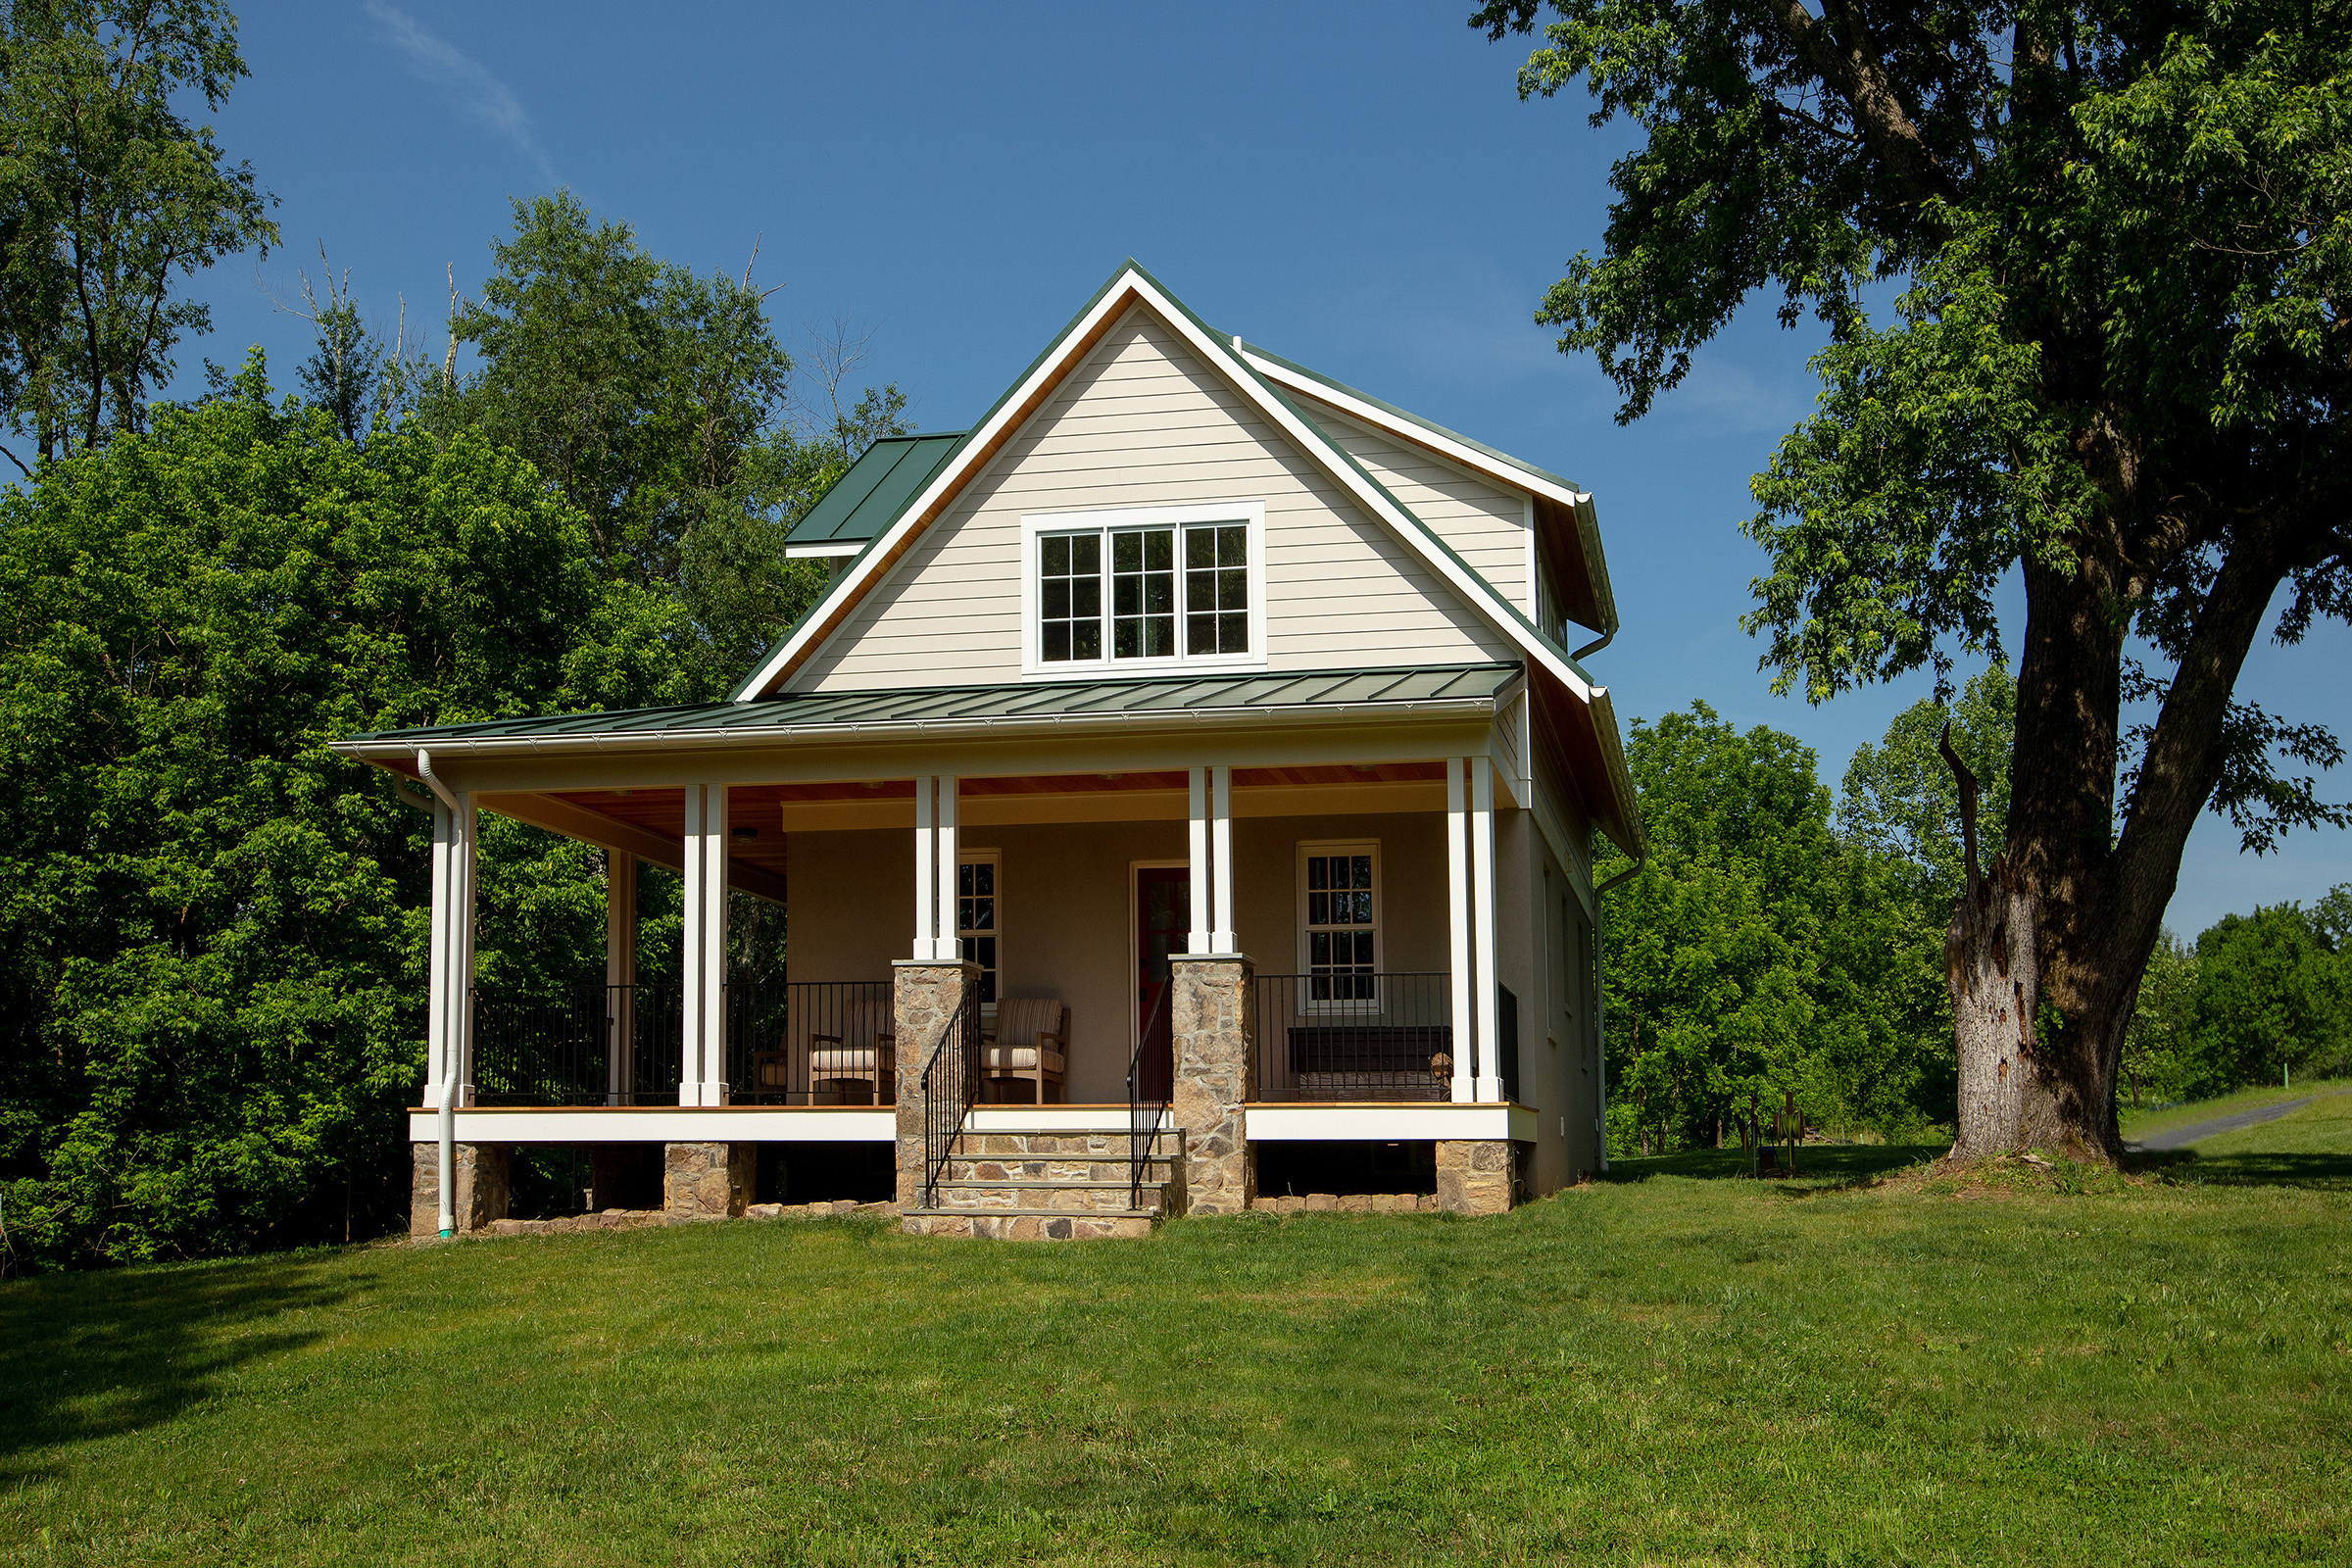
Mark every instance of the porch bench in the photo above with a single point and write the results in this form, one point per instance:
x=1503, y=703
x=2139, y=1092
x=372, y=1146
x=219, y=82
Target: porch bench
x=1372, y=1061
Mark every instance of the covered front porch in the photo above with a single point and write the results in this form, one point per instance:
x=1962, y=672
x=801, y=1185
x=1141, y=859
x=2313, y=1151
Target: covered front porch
x=1301, y=942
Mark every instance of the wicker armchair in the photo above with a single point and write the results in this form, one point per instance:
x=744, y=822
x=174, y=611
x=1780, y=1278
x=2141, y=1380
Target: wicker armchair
x=1029, y=1046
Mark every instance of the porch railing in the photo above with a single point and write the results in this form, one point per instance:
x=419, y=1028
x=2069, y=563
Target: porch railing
x=559, y=1050
x=1150, y=1085
x=812, y=1043
x=950, y=1085
x=1337, y=1037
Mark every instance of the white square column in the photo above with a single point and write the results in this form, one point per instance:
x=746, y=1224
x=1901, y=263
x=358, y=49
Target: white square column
x=1458, y=901
x=701, y=1076
x=935, y=847
x=1201, y=938
x=1482, y=904
x=1221, y=934
x=620, y=974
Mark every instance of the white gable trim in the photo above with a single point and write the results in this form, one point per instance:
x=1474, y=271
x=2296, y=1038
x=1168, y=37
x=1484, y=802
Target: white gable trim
x=1134, y=286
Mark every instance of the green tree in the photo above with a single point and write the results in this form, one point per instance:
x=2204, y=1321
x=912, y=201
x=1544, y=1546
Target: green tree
x=2118, y=366
x=211, y=928
x=635, y=386
x=1739, y=964
x=1900, y=800
x=107, y=194
x=2270, y=997
x=2158, y=1055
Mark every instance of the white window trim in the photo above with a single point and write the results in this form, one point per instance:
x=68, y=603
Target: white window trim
x=1380, y=920
x=996, y=860
x=1036, y=524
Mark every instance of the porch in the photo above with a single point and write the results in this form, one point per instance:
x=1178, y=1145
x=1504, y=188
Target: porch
x=1064, y=952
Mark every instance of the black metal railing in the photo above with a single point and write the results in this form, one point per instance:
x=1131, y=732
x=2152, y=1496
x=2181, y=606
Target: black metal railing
x=812, y=1043
x=950, y=1085
x=1150, y=1085
x=1325, y=1036
x=591, y=1046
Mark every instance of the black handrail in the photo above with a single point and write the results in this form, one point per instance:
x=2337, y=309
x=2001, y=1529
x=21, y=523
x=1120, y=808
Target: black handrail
x=950, y=1087
x=1151, y=1087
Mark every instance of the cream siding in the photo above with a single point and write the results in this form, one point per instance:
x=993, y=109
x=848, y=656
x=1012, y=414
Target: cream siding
x=1143, y=423
x=1484, y=524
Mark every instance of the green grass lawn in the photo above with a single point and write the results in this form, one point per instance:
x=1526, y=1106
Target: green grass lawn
x=1656, y=1369
x=2139, y=1124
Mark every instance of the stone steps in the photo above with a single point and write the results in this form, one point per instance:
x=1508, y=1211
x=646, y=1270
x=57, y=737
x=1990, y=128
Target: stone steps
x=1028, y=1227
x=1052, y=1184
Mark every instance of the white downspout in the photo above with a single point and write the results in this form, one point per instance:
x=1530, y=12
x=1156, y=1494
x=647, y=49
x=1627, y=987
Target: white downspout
x=448, y=1123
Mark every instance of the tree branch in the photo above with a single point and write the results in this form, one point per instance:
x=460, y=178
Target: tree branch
x=1854, y=73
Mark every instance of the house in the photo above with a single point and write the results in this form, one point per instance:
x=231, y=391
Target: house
x=1183, y=794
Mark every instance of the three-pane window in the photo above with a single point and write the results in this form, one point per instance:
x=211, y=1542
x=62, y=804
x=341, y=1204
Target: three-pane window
x=1170, y=592
x=976, y=920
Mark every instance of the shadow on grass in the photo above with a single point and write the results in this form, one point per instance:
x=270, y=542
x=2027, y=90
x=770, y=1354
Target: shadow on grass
x=90, y=1355
x=2254, y=1168
x=1817, y=1164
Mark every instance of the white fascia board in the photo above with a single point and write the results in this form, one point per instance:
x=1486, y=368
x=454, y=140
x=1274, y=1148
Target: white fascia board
x=665, y=1124
x=1169, y=719
x=826, y=550
x=979, y=445
x=1439, y=1120
x=1469, y=457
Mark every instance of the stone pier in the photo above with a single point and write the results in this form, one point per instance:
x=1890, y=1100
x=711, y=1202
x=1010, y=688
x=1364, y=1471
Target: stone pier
x=480, y=1173
x=1474, y=1176
x=925, y=996
x=1215, y=1028
x=707, y=1181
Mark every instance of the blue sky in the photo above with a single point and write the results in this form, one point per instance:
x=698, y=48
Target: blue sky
x=1357, y=187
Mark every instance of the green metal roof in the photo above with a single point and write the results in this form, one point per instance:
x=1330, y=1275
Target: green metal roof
x=1046, y=701
x=868, y=497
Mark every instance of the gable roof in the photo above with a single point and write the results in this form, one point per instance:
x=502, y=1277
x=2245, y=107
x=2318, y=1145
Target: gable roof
x=1593, y=602
x=871, y=492
x=1130, y=287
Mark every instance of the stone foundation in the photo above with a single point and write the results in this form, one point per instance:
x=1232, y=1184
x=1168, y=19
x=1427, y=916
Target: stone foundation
x=707, y=1181
x=480, y=1173
x=924, y=997
x=1029, y=1226
x=1215, y=1032
x=1475, y=1176
x=1349, y=1203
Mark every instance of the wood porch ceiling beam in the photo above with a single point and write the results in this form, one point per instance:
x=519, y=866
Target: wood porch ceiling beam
x=576, y=821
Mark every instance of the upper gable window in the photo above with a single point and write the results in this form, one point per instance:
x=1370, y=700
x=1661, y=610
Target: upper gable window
x=1144, y=588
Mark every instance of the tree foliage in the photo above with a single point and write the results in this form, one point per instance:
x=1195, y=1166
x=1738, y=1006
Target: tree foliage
x=2119, y=366
x=107, y=195
x=212, y=927
x=2272, y=996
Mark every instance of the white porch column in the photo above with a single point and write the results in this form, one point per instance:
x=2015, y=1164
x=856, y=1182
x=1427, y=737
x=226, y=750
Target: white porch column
x=1220, y=820
x=1482, y=902
x=1201, y=938
x=701, y=1077
x=448, y=1024
x=621, y=973
x=948, y=948
x=1457, y=898
x=926, y=874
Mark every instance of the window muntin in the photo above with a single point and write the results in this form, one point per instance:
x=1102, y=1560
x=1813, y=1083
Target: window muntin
x=1070, y=599
x=1137, y=589
x=1339, y=921
x=1216, y=588
x=1142, y=593
x=977, y=913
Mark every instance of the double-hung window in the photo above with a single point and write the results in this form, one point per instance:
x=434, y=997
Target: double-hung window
x=1338, y=899
x=1155, y=587
x=977, y=917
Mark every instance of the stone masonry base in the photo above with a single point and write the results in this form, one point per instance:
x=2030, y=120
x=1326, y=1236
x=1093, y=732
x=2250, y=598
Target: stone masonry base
x=480, y=1171
x=1474, y=1176
x=707, y=1181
